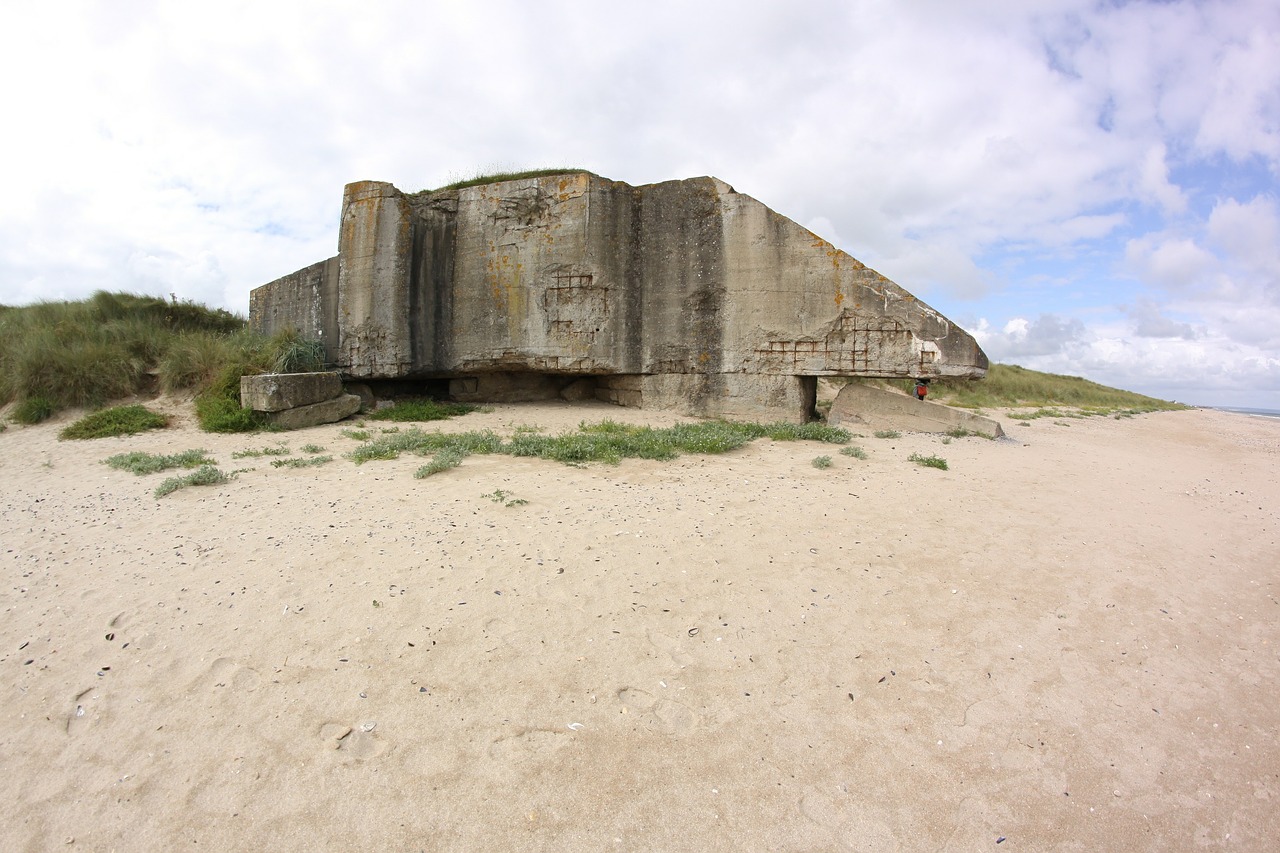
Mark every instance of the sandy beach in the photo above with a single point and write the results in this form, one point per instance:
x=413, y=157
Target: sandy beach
x=1067, y=641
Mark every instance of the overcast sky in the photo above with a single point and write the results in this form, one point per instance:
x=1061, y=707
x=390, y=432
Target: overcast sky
x=1087, y=187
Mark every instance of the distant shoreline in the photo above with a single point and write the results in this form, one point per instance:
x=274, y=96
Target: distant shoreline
x=1240, y=410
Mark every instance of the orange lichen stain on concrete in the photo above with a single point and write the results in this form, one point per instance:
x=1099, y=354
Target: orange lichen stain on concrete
x=704, y=357
x=839, y=298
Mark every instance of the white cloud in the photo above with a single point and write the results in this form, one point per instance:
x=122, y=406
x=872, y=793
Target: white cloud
x=1174, y=263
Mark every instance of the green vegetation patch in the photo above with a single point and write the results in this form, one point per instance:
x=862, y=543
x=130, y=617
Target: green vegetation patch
x=422, y=409
x=426, y=444
x=206, y=475
x=961, y=432
x=606, y=441
x=928, y=461
x=117, y=420
x=854, y=451
x=87, y=352
x=821, y=462
x=258, y=453
x=888, y=433
x=147, y=463
x=498, y=496
x=449, y=457
x=33, y=410
x=304, y=462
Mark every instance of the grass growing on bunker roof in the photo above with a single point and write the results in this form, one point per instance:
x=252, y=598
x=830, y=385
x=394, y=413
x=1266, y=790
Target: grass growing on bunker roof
x=607, y=441
x=498, y=177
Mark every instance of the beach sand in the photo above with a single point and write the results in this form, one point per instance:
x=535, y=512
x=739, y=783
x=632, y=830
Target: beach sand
x=1067, y=641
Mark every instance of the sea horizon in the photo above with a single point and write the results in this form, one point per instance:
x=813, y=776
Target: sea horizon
x=1244, y=410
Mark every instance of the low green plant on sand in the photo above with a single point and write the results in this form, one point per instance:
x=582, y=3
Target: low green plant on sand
x=961, y=432
x=928, y=461
x=312, y=448
x=498, y=496
x=258, y=453
x=422, y=409
x=117, y=420
x=446, y=458
x=821, y=462
x=308, y=462
x=147, y=463
x=888, y=433
x=206, y=475
x=854, y=451
x=607, y=441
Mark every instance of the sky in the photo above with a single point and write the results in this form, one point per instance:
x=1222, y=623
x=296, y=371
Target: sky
x=1088, y=188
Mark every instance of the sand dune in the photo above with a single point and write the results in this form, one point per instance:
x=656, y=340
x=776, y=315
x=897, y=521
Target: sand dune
x=1067, y=641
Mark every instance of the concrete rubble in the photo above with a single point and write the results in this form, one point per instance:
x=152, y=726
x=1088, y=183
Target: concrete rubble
x=298, y=400
x=877, y=408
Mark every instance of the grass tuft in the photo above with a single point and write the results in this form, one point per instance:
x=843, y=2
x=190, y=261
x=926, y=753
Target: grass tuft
x=498, y=177
x=888, y=433
x=117, y=420
x=33, y=410
x=821, y=462
x=854, y=451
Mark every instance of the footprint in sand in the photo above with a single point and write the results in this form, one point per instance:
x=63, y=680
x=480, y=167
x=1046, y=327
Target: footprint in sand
x=853, y=825
x=226, y=673
x=669, y=646
x=509, y=634
x=355, y=743
x=533, y=743
x=663, y=715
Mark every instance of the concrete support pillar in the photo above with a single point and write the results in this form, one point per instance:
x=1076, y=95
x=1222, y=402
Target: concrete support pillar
x=375, y=251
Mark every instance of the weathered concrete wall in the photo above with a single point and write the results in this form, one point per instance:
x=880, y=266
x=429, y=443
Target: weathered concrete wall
x=715, y=303
x=307, y=301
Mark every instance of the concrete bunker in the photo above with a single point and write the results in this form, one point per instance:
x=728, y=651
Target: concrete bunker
x=681, y=295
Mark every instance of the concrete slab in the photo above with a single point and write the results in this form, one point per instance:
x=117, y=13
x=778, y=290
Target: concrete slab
x=876, y=407
x=326, y=412
x=275, y=392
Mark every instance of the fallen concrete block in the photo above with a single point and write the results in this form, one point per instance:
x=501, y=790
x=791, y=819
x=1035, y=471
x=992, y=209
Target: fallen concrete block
x=317, y=413
x=876, y=407
x=275, y=392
